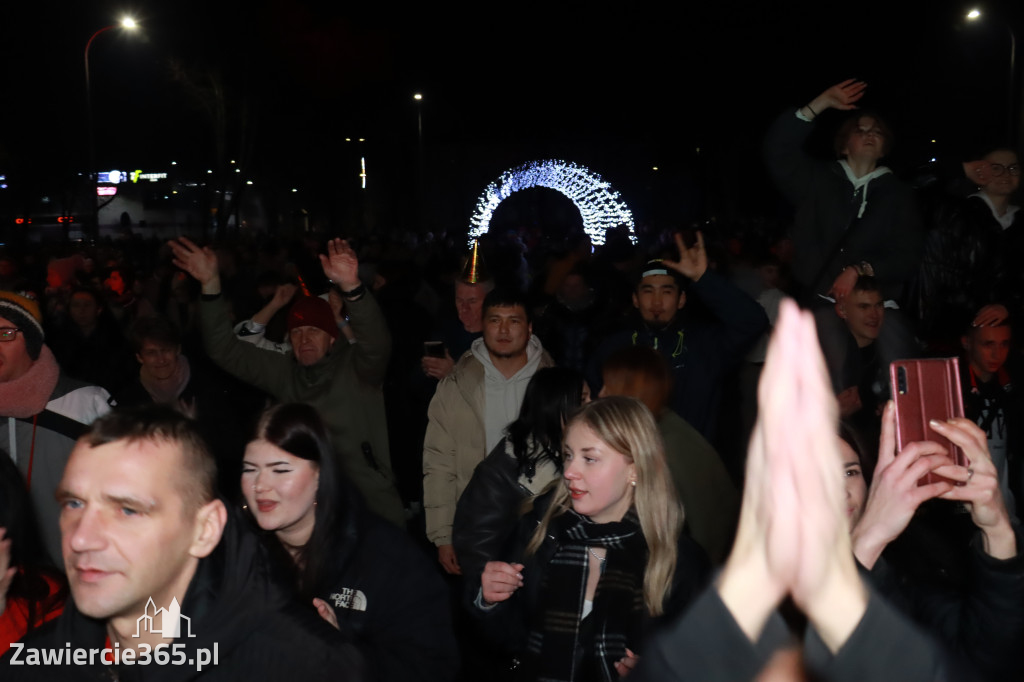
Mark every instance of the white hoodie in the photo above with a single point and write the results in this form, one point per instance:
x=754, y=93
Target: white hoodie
x=503, y=397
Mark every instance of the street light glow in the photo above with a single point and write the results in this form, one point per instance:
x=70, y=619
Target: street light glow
x=417, y=96
x=129, y=23
x=973, y=14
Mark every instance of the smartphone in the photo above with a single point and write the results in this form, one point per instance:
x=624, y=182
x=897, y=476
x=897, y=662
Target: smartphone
x=924, y=390
x=433, y=349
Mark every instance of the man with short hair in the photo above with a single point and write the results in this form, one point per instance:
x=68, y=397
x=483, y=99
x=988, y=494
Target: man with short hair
x=472, y=407
x=991, y=402
x=857, y=365
x=971, y=257
x=43, y=410
x=343, y=381
x=457, y=337
x=153, y=560
x=698, y=352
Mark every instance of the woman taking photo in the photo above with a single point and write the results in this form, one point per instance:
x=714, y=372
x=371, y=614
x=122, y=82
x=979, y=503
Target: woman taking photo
x=601, y=554
x=363, y=575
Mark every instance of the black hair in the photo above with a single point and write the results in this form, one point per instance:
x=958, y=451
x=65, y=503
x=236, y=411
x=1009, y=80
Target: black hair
x=552, y=395
x=855, y=439
x=507, y=298
x=89, y=291
x=31, y=583
x=298, y=429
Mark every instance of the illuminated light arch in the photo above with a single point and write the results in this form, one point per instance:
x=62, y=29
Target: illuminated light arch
x=598, y=204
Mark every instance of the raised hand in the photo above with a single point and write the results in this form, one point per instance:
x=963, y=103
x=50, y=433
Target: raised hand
x=981, y=491
x=762, y=566
x=842, y=96
x=200, y=262
x=340, y=264
x=500, y=580
x=793, y=536
x=844, y=283
x=693, y=262
x=283, y=295
x=991, y=315
x=895, y=494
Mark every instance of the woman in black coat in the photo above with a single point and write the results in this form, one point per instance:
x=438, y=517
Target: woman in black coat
x=363, y=575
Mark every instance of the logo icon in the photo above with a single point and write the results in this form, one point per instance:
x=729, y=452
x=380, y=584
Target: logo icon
x=169, y=621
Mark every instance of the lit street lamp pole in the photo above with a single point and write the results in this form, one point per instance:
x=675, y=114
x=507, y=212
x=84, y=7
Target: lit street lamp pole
x=974, y=15
x=129, y=24
x=421, y=191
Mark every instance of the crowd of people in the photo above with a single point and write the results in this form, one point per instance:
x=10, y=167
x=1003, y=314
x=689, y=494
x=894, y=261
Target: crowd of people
x=531, y=459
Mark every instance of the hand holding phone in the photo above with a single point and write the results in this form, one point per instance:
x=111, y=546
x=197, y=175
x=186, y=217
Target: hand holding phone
x=926, y=390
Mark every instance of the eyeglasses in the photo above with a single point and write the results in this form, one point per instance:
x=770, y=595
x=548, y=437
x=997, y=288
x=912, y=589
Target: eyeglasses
x=998, y=169
x=8, y=333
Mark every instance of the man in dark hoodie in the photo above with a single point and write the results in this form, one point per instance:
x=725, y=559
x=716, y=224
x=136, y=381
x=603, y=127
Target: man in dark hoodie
x=163, y=584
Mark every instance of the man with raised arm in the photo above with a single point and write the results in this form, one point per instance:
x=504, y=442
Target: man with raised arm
x=699, y=353
x=343, y=381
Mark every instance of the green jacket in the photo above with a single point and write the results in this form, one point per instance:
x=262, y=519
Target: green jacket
x=711, y=502
x=344, y=386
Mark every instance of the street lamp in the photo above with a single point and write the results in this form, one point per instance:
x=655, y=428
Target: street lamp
x=974, y=15
x=420, y=186
x=128, y=24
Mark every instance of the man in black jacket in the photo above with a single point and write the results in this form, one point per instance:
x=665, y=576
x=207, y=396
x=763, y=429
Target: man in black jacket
x=162, y=585
x=699, y=353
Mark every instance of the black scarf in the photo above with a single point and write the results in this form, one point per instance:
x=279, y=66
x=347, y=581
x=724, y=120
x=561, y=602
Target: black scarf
x=616, y=620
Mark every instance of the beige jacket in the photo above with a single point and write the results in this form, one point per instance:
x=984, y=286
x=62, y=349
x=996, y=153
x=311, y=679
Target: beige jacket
x=455, y=441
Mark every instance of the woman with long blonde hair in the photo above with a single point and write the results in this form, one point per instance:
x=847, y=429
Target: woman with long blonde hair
x=601, y=554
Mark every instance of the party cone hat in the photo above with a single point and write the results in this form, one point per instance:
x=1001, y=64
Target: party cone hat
x=475, y=270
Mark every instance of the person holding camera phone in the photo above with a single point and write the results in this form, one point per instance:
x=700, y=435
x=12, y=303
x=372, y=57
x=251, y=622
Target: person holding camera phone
x=982, y=619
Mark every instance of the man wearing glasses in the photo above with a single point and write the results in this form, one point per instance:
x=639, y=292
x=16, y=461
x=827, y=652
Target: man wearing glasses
x=970, y=269
x=42, y=411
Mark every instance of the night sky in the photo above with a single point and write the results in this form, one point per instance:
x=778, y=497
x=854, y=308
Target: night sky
x=620, y=92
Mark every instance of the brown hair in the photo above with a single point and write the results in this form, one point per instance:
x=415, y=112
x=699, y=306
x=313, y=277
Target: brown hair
x=852, y=122
x=639, y=372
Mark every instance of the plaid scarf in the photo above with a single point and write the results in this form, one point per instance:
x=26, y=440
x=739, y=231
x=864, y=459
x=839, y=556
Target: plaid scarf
x=616, y=620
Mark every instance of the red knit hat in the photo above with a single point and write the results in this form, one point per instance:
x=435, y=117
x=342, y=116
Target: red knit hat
x=310, y=311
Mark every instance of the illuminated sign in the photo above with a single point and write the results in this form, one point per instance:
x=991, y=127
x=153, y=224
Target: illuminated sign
x=113, y=177
x=152, y=177
x=599, y=205
x=106, y=191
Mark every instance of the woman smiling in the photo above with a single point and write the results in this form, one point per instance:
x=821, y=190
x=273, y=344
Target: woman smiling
x=363, y=575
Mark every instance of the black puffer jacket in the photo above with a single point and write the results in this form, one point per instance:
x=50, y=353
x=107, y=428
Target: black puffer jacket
x=390, y=597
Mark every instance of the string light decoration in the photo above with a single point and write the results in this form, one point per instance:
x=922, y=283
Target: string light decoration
x=598, y=204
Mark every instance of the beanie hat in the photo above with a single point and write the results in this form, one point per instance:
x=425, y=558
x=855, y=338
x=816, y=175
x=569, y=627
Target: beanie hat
x=23, y=312
x=310, y=311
